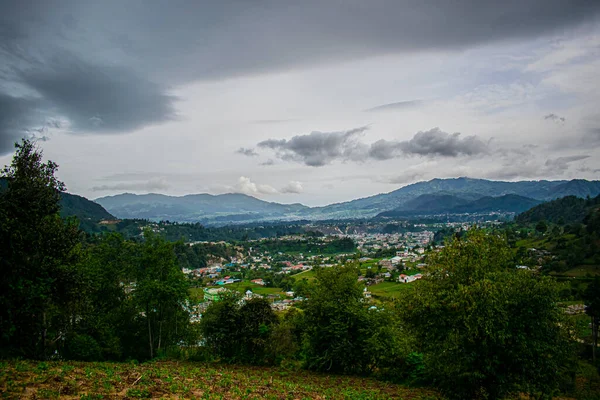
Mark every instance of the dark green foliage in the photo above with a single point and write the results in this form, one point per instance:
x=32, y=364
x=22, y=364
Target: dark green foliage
x=310, y=245
x=238, y=332
x=591, y=296
x=38, y=255
x=82, y=208
x=194, y=232
x=82, y=348
x=566, y=210
x=485, y=328
x=256, y=322
x=336, y=319
x=341, y=334
x=196, y=256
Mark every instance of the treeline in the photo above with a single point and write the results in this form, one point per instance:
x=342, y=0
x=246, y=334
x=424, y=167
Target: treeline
x=309, y=245
x=61, y=296
x=196, y=232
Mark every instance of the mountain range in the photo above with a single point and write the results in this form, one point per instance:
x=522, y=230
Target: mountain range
x=437, y=196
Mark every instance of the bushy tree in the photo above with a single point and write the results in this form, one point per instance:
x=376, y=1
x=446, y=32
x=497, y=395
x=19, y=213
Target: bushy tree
x=237, y=332
x=39, y=279
x=486, y=328
x=160, y=292
x=337, y=323
x=257, y=319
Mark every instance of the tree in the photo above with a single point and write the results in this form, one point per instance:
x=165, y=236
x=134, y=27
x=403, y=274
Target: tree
x=38, y=256
x=219, y=327
x=485, y=328
x=591, y=296
x=256, y=321
x=109, y=320
x=336, y=323
x=541, y=227
x=160, y=291
x=238, y=332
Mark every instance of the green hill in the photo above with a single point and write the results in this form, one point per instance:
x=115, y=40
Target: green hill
x=82, y=208
x=569, y=209
x=433, y=204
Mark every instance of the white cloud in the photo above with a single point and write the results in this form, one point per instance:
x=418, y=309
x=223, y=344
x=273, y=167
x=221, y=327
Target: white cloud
x=246, y=186
x=292, y=187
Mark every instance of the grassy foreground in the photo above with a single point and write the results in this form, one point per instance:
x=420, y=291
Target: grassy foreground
x=170, y=380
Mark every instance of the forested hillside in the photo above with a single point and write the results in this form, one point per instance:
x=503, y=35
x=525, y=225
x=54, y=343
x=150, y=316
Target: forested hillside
x=569, y=209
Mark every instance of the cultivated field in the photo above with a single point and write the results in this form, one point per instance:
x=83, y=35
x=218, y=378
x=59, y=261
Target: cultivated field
x=171, y=380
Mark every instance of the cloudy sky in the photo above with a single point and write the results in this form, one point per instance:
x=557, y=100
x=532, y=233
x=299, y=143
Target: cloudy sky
x=313, y=101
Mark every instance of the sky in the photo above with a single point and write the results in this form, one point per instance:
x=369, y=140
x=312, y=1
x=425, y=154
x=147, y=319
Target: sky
x=313, y=102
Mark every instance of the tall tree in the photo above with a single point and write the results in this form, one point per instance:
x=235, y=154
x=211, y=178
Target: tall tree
x=161, y=291
x=336, y=323
x=38, y=255
x=485, y=327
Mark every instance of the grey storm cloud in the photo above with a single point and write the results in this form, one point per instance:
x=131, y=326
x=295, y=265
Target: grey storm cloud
x=435, y=142
x=99, y=97
x=15, y=115
x=107, y=66
x=247, y=152
x=317, y=149
x=555, y=118
x=561, y=164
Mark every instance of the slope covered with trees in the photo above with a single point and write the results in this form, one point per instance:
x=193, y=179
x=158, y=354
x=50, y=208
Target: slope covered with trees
x=569, y=209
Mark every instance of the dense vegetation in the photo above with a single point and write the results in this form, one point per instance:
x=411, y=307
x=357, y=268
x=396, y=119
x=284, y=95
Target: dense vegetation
x=111, y=300
x=566, y=210
x=473, y=317
x=82, y=208
x=307, y=246
x=433, y=204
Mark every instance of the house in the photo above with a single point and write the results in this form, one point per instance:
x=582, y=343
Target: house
x=258, y=282
x=409, y=278
x=396, y=260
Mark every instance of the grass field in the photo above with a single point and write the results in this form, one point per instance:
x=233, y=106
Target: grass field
x=582, y=271
x=258, y=289
x=198, y=293
x=308, y=275
x=391, y=289
x=172, y=380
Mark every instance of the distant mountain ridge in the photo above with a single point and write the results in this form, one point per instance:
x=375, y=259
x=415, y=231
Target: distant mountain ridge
x=432, y=204
x=456, y=195
x=196, y=207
